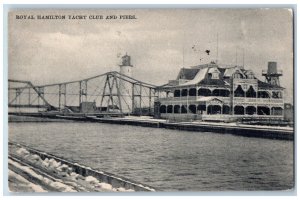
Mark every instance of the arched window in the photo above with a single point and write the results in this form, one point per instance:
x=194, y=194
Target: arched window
x=192, y=92
x=183, y=109
x=250, y=110
x=226, y=109
x=192, y=109
x=220, y=92
x=263, y=110
x=169, y=109
x=239, y=110
x=177, y=109
x=201, y=107
x=204, y=92
x=163, y=109
x=184, y=92
x=177, y=93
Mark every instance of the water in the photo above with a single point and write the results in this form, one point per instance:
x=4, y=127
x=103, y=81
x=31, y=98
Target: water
x=167, y=159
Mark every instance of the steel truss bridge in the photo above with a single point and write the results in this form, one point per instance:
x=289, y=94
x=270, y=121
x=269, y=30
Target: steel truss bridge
x=111, y=92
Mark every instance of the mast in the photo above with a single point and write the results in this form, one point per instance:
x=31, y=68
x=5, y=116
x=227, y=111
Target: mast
x=235, y=56
x=243, y=57
x=183, y=49
x=183, y=56
x=217, y=48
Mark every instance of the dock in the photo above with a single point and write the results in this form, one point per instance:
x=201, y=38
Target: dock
x=271, y=132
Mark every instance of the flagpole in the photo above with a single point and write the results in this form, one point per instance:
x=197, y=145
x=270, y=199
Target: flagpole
x=217, y=47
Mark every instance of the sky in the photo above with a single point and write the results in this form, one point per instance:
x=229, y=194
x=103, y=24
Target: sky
x=159, y=42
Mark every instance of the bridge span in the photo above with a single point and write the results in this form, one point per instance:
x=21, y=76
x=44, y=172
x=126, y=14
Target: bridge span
x=108, y=93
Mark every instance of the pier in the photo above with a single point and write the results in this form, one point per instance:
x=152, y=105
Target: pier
x=191, y=102
x=271, y=132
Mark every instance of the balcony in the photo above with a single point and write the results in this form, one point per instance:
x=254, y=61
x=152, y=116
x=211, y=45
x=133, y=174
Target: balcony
x=257, y=100
x=265, y=72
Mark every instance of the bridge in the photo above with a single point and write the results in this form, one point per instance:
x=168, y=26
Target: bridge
x=109, y=93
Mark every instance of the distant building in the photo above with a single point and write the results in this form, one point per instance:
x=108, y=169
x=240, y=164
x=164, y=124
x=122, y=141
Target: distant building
x=218, y=92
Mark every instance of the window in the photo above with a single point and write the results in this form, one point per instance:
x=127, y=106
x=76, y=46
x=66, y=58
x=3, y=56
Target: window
x=239, y=92
x=263, y=94
x=192, y=109
x=250, y=74
x=192, y=92
x=277, y=111
x=177, y=93
x=251, y=92
x=184, y=92
x=204, y=92
x=263, y=110
x=276, y=95
x=177, y=109
x=169, y=109
x=163, y=109
x=237, y=75
x=215, y=75
x=239, y=110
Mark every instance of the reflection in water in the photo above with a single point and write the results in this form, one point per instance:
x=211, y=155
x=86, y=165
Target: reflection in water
x=167, y=159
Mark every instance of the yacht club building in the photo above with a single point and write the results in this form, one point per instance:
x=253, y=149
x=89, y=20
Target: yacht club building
x=218, y=92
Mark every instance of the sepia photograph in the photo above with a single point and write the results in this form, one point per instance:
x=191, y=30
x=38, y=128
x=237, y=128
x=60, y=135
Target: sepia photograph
x=150, y=100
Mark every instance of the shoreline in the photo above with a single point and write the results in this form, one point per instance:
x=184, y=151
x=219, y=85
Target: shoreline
x=270, y=132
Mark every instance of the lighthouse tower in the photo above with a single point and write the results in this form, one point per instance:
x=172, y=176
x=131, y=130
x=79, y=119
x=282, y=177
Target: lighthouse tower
x=126, y=87
x=126, y=67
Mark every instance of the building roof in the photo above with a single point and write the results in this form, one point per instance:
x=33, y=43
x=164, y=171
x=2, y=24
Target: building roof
x=200, y=75
x=263, y=85
x=214, y=82
x=187, y=73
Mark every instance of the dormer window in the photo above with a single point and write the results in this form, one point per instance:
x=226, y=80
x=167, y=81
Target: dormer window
x=214, y=73
x=250, y=74
x=237, y=75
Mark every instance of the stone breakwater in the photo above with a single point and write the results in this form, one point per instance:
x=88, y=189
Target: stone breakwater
x=42, y=172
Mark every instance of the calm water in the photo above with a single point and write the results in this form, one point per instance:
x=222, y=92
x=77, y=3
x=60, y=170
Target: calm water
x=167, y=159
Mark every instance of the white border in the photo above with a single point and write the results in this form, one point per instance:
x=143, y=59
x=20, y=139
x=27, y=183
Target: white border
x=211, y=3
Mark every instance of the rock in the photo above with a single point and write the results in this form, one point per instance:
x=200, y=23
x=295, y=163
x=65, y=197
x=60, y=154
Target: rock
x=91, y=180
x=22, y=152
